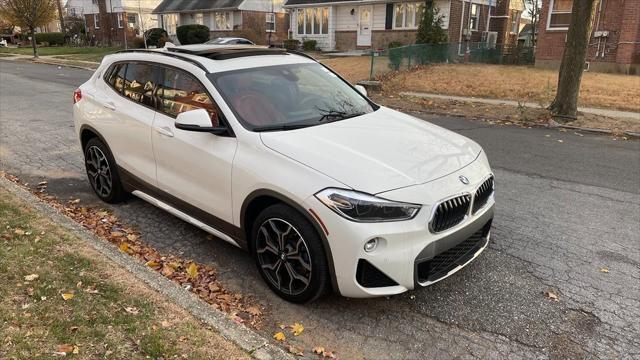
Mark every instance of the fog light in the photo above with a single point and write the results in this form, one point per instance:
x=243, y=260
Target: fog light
x=371, y=245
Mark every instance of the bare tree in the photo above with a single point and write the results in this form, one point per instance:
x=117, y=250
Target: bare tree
x=565, y=104
x=29, y=14
x=105, y=22
x=61, y=17
x=533, y=9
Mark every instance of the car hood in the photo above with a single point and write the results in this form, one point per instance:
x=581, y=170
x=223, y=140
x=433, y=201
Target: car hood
x=377, y=152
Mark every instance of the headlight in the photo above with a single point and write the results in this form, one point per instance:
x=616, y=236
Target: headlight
x=363, y=207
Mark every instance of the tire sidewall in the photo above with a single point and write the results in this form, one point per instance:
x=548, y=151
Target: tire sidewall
x=319, y=273
x=117, y=192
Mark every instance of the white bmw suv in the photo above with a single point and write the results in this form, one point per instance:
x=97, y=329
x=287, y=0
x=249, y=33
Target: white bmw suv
x=277, y=154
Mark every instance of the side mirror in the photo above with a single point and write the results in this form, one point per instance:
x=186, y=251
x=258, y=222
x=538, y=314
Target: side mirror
x=197, y=120
x=361, y=89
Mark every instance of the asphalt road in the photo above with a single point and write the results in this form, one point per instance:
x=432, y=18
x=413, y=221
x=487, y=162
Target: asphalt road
x=568, y=205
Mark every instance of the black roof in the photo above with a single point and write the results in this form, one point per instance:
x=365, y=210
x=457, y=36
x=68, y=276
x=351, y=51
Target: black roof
x=308, y=2
x=230, y=52
x=178, y=6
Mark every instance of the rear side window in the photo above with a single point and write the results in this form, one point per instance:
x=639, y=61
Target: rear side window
x=182, y=92
x=141, y=82
x=116, y=79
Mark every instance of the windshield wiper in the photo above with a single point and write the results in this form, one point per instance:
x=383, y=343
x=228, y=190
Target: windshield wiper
x=279, y=127
x=337, y=116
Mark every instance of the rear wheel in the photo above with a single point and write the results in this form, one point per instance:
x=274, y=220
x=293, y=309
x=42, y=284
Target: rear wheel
x=102, y=172
x=289, y=254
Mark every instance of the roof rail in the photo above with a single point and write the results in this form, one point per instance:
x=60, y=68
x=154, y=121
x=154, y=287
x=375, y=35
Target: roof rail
x=174, y=55
x=230, y=52
x=300, y=53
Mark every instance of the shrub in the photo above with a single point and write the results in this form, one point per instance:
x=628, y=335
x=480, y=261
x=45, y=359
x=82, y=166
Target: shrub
x=52, y=38
x=156, y=37
x=138, y=43
x=309, y=45
x=192, y=34
x=396, y=52
x=291, y=44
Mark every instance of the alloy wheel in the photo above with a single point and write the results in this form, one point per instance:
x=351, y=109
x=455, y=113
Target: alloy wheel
x=99, y=171
x=283, y=256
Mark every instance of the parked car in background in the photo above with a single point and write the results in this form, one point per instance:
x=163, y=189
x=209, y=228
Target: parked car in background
x=230, y=41
x=273, y=152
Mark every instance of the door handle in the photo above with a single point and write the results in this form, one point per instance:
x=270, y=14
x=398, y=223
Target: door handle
x=109, y=105
x=163, y=130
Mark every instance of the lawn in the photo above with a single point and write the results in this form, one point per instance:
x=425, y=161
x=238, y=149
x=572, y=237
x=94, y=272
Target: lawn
x=521, y=83
x=67, y=52
x=58, y=296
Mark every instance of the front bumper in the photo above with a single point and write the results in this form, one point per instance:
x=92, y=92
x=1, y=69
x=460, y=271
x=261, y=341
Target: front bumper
x=408, y=254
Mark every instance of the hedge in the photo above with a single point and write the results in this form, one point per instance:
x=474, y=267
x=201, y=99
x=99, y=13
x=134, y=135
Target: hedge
x=51, y=38
x=156, y=37
x=192, y=34
x=309, y=45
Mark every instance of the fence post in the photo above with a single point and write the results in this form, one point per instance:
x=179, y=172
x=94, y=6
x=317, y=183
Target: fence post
x=373, y=52
x=410, y=48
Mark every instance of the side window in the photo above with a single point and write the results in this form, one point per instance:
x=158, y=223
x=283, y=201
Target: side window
x=116, y=77
x=140, y=84
x=181, y=92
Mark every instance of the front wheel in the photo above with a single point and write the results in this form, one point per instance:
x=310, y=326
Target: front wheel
x=289, y=254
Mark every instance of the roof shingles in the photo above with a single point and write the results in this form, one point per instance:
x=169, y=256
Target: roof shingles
x=178, y=6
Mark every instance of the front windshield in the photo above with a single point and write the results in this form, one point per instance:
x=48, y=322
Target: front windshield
x=285, y=97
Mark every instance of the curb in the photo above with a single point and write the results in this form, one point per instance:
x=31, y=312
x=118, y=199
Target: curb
x=256, y=345
x=22, y=59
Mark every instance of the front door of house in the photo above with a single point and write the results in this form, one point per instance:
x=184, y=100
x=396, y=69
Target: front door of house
x=365, y=19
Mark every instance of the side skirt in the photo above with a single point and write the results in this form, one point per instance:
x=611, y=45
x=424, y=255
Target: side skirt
x=170, y=209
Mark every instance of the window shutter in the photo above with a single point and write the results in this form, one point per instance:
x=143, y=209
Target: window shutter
x=388, y=22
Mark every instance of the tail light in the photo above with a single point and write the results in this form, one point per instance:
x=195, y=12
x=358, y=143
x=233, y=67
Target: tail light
x=77, y=96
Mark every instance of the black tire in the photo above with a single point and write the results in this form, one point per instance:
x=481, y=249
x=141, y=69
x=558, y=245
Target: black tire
x=105, y=182
x=294, y=259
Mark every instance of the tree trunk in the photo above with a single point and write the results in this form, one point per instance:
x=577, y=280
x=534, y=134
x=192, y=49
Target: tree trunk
x=61, y=17
x=105, y=22
x=565, y=104
x=33, y=42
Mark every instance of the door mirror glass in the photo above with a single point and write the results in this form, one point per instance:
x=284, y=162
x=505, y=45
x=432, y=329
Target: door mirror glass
x=361, y=89
x=197, y=120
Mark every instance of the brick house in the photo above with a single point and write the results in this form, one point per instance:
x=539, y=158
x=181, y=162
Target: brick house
x=261, y=21
x=363, y=24
x=614, y=45
x=124, y=20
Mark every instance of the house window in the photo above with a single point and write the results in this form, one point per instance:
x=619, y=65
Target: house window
x=170, y=23
x=271, y=22
x=199, y=19
x=560, y=14
x=474, y=17
x=96, y=21
x=132, y=20
x=120, y=22
x=222, y=20
x=313, y=21
x=515, y=23
x=407, y=15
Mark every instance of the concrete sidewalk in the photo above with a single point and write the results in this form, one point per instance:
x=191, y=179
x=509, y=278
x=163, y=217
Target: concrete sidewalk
x=595, y=111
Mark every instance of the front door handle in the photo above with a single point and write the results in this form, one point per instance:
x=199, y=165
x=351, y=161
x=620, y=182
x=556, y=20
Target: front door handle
x=109, y=105
x=163, y=130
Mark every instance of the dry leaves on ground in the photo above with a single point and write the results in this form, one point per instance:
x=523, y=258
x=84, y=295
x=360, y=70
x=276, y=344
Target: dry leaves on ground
x=200, y=279
x=551, y=295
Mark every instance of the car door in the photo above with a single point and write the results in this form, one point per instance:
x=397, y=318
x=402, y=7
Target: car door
x=194, y=167
x=130, y=109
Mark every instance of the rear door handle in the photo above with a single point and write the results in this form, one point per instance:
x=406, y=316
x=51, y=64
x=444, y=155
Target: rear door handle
x=163, y=130
x=109, y=105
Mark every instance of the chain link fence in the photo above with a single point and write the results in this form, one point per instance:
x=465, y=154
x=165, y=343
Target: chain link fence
x=407, y=57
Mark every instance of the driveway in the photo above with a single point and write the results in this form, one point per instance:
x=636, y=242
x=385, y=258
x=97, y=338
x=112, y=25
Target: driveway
x=568, y=206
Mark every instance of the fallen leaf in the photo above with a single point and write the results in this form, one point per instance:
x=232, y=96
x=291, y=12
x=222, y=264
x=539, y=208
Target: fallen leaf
x=18, y=232
x=73, y=328
x=279, y=336
x=152, y=263
x=551, y=295
x=296, y=351
x=91, y=290
x=192, y=271
x=132, y=237
x=76, y=350
x=74, y=201
x=297, y=329
x=64, y=348
x=318, y=350
x=165, y=324
x=117, y=234
x=253, y=310
x=132, y=310
x=560, y=141
x=31, y=277
x=124, y=247
x=67, y=296
x=328, y=354
x=604, y=270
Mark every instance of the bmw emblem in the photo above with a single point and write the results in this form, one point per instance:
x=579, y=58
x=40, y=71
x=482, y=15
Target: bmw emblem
x=463, y=179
